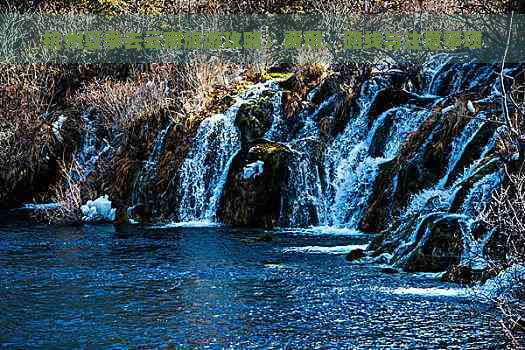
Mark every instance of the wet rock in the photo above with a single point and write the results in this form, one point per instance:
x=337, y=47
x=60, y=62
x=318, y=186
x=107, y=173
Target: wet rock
x=383, y=258
x=521, y=151
x=281, y=68
x=265, y=238
x=292, y=83
x=253, y=119
x=437, y=245
x=389, y=270
x=255, y=201
x=463, y=274
x=355, y=254
x=138, y=213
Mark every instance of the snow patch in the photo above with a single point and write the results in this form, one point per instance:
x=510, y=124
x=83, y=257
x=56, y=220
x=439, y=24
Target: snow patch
x=98, y=210
x=41, y=206
x=253, y=169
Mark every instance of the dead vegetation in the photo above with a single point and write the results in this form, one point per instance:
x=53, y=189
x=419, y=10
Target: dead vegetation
x=506, y=214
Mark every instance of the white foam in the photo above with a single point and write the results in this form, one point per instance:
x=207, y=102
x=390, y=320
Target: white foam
x=344, y=249
x=201, y=223
x=431, y=292
x=327, y=230
x=41, y=206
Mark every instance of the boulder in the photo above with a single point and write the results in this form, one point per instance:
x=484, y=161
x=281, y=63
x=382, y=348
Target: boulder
x=253, y=119
x=437, y=244
x=137, y=213
x=355, y=254
x=389, y=270
x=255, y=185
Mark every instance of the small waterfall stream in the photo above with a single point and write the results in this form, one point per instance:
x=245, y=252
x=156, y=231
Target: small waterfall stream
x=203, y=173
x=141, y=192
x=90, y=150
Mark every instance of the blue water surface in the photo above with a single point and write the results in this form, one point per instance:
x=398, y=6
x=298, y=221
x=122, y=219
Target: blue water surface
x=131, y=287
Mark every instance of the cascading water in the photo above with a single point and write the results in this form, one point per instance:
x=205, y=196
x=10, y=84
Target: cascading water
x=350, y=165
x=330, y=184
x=204, y=171
x=150, y=166
x=90, y=150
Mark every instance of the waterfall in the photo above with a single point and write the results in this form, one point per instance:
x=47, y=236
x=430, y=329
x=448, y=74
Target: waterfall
x=331, y=179
x=90, y=149
x=349, y=167
x=149, y=168
x=277, y=131
x=337, y=192
x=458, y=147
x=473, y=250
x=204, y=171
x=304, y=202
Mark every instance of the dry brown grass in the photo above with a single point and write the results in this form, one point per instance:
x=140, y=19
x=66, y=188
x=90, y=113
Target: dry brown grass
x=27, y=93
x=67, y=194
x=506, y=214
x=259, y=6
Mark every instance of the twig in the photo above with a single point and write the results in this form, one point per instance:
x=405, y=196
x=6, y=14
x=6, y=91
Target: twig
x=506, y=113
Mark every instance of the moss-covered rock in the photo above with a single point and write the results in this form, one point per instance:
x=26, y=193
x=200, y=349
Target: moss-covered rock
x=253, y=119
x=392, y=97
x=255, y=185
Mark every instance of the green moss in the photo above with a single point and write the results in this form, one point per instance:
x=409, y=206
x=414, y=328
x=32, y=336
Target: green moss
x=242, y=86
x=276, y=75
x=268, y=149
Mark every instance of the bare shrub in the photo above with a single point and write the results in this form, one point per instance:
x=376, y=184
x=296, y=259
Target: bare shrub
x=506, y=214
x=67, y=194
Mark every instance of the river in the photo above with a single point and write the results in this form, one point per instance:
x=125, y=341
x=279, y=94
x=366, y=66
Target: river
x=106, y=287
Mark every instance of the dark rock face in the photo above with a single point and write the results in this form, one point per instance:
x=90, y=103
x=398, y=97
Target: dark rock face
x=257, y=178
x=439, y=244
x=355, y=254
x=255, y=185
x=138, y=213
x=253, y=119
